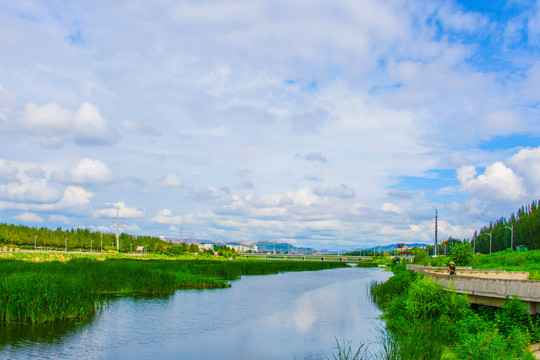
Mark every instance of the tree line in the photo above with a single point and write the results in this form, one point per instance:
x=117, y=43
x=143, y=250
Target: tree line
x=86, y=240
x=525, y=225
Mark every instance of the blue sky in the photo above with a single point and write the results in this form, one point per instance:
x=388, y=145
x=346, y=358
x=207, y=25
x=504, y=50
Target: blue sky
x=329, y=124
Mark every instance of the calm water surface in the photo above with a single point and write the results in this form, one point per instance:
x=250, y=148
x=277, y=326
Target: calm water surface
x=297, y=315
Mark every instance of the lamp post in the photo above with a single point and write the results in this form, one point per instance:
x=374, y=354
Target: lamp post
x=35, y=242
x=511, y=236
x=66, y=244
x=490, y=242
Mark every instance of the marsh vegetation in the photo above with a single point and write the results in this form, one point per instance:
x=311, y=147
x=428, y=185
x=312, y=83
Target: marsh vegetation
x=426, y=322
x=43, y=291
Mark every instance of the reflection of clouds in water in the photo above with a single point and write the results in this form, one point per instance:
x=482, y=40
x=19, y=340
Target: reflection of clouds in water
x=313, y=306
x=284, y=316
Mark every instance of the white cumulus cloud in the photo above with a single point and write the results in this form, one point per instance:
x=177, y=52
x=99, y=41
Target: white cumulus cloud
x=54, y=126
x=527, y=164
x=497, y=183
x=165, y=216
x=119, y=209
x=29, y=217
x=86, y=171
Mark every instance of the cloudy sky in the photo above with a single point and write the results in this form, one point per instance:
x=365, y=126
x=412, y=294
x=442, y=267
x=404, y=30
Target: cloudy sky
x=323, y=123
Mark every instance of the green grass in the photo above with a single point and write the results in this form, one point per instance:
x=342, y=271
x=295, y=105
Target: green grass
x=41, y=291
x=511, y=261
x=426, y=322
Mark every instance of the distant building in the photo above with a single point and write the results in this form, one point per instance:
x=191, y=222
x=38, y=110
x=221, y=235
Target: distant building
x=402, y=246
x=242, y=248
x=239, y=248
x=206, y=247
x=140, y=249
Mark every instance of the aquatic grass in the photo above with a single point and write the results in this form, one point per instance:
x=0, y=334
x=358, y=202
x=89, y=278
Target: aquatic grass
x=38, y=292
x=36, y=298
x=345, y=352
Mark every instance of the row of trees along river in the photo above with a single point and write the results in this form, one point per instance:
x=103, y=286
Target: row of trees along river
x=85, y=240
x=521, y=228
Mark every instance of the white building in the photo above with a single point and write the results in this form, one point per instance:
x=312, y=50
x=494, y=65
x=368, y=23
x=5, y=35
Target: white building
x=206, y=247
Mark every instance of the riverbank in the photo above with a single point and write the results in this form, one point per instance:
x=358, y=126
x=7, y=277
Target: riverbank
x=40, y=288
x=424, y=321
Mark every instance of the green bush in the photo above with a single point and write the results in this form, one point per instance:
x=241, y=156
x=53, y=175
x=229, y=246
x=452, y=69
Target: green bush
x=425, y=321
x=420, y=256
x=382, y=293
x=462, y=254
x=426, y=300
x=440, y=261
x=515, y=316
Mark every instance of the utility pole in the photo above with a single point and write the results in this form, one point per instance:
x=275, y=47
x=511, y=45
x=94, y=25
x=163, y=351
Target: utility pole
x=117, y=236
x=435, y=252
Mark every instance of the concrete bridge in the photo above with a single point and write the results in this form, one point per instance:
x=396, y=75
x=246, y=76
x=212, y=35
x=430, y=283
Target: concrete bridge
x=487, y=287
x=321, y=257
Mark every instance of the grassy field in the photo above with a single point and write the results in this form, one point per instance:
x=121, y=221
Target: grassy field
x=511, y=261
x=42, y=287
x=503, y=260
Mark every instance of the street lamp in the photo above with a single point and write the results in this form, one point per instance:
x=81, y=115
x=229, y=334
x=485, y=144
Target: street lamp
x=35, y=239
x=511, y=236
x=490, y=242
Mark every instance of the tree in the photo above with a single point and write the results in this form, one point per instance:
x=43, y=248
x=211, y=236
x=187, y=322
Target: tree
x=462, y=253
x=420, y=256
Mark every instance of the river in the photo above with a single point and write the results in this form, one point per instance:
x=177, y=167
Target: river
x=296, y=315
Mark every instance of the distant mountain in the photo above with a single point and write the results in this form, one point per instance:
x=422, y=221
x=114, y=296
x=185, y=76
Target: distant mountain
x=391, y=247
x=283, y=247
x=262, y=246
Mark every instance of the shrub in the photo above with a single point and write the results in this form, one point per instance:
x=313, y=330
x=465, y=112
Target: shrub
x=383, y=293
x=420, y=256
x=462, y=254
x=426, y=299
x=515, y=316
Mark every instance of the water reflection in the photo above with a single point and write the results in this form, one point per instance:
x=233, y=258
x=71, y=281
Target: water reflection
x=17, y=333
x=283, y=316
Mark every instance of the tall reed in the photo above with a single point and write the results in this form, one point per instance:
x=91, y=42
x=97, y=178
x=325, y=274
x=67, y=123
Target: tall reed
x=38, y=292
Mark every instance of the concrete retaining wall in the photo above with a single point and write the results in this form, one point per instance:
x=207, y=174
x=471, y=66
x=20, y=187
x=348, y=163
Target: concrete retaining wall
x=488, y=287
